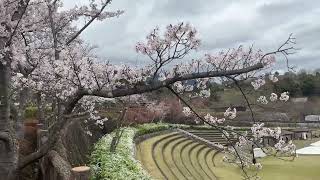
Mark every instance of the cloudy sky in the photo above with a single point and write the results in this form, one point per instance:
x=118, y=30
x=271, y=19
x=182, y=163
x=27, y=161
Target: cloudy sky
x=221, y=24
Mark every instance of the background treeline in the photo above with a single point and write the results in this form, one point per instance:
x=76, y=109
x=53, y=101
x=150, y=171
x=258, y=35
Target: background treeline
x=299, y=84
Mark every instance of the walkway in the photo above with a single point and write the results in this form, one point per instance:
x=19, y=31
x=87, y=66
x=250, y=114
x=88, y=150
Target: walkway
x=313, y=149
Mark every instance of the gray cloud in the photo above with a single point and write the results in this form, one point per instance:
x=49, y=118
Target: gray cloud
x=221, y=24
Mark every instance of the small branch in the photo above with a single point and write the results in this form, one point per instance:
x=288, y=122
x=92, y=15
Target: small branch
x=244, y=96
x=88, y=23
x=18, y=16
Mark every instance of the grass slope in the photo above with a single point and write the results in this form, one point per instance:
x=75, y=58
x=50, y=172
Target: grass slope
x=173, y=156
x=182, y=158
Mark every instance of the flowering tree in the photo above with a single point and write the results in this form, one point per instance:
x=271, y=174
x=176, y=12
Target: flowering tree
x=41, y=54
x=181, y=38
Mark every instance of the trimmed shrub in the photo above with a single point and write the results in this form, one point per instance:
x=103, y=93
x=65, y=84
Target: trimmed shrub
x=120, y=164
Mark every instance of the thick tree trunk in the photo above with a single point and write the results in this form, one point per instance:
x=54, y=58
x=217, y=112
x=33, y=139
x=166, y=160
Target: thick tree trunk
x=8, y=150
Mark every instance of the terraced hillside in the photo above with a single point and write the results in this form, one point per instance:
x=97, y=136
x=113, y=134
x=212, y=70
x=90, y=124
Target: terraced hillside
x=211, y=135
x=177, y=156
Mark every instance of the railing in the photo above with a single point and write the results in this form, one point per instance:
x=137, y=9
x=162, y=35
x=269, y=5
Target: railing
x=209, y=143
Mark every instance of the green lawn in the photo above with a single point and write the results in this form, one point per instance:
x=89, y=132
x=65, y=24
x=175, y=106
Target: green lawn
x=187, y=159
x=302, y=168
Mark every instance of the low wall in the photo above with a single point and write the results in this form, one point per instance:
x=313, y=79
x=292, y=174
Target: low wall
x=310, y=124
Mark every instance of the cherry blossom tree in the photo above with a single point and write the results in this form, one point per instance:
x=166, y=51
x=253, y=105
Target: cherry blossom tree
x=42, y=55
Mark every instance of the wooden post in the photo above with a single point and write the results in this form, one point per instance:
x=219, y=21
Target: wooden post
x=80, y=173
x=42, y=136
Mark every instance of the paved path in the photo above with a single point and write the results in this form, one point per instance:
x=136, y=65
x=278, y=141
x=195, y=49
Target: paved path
x=313, y=149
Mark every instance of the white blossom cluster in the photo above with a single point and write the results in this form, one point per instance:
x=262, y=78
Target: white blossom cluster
x=274, y=97
x=187, y=111
x=273, y=78
x=179, y=87
x=230, y=113
x=262, y=100
x=284, y=96
x=89, y=105
x=205, y=93
x=201, y=86
x=258, y=83
x=213, y=120
x=259, y=131
x=285, y=148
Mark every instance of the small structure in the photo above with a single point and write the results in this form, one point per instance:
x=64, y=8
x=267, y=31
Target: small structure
x=80, y=173
x=258, y=153
x=271, y=141
x=268, y=141
x=302, y=133
x=299, y=100
x=287, y=135
x=312, y=118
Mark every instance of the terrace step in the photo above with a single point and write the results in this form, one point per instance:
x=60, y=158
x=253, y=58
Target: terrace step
x=177, y=156
x=188, y=160
x=202, y=163
x=159, y=158
x=168, y=156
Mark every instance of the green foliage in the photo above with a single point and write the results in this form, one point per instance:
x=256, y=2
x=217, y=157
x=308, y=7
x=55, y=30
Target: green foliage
x=155, y=127
x=301, y=84
x=31, y=112
x=120, y=164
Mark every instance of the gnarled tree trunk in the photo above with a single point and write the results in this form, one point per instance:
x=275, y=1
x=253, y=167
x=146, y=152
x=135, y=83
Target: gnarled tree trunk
x=8, y=151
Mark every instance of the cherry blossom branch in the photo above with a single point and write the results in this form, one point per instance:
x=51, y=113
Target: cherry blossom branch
x=18, y=16
x=154, y=85
x=244, y=96
x=88, y=23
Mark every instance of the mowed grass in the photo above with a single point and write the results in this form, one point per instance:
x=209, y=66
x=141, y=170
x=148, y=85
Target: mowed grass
x=173, y=156
x=302, y=168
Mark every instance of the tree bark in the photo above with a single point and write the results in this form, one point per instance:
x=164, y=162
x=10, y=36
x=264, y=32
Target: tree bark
x=8, y=150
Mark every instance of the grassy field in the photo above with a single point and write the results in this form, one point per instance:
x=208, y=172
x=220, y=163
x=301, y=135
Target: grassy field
x=173, y=156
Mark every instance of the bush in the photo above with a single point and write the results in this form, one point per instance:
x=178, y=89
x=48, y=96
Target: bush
x=120, y=164
x=31, y=112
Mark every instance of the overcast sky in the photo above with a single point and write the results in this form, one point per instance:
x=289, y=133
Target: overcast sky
x=221, y=24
